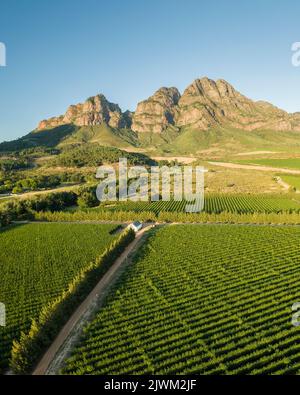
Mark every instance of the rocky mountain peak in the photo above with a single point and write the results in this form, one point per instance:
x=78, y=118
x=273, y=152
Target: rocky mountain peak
x=157, y=112
x=207, y=103
x=94, y=111
x=204, y=104
x=215, y=91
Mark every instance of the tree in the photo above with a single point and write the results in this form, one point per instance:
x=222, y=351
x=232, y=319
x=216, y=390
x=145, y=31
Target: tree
x=17, y=189
x=87, y=199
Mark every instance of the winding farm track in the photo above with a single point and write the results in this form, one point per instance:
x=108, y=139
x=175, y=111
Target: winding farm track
x=69, y=333
x=254, y=167
x=284, y=184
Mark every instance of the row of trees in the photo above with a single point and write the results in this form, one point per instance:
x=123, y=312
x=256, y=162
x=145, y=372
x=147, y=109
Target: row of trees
x=24, y=209
x=95, y=155
x=18, y=183
x=124, y=216
x=14, y=164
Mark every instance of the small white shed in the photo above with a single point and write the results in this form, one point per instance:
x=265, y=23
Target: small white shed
x=136, y=226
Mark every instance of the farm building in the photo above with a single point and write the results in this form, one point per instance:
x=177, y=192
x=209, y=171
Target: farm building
x=136, y=226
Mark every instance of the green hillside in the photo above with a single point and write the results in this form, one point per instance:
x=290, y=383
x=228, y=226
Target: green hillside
x=231, y=141
x=71, y=134
x=223, y=141
x=102, y=134
x=43, y=138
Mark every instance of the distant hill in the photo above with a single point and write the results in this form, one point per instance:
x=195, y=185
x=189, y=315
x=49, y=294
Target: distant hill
x=209, y=114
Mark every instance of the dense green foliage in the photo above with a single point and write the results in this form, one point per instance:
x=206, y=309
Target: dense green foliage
x=87, y=197
x=17, y=183
x=14, y=164
x=36, y=183
x=23, y=209
x=95, y=155
x=126, y=216
x=37, y=263
x=200, y=299
x=95, y=215
x=30, y=153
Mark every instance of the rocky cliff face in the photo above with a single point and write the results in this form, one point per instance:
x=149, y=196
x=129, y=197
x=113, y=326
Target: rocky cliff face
x=95, y=111
x=204, y=104
x=207, y=103
x=157, y=112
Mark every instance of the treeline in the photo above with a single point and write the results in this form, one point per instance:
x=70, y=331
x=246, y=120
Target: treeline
x=171, y=217
x=99, y=215
x=94, y=155
x=28, y=153
x=16, y=183
x=36, y=152
x=30, y=347
x=24, y=209
x=14, y=164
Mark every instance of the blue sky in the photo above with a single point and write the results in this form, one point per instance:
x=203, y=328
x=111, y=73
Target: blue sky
x=59, y=52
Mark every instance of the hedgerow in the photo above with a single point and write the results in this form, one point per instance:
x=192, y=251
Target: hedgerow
x=126, y=216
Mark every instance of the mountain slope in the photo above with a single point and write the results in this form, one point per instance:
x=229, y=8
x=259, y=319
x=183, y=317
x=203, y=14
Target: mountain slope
x=96, y=110
x=208, y=113
x=44, y=138
x=101, y=134
x=157, y=112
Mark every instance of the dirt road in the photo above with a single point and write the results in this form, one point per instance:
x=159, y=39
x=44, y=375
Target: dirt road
x=254, y=167
x=72, y=329
x=181, y=159
x=284, y=184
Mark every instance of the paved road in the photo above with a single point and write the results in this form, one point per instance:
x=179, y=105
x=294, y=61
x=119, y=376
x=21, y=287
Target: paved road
x=50, y=354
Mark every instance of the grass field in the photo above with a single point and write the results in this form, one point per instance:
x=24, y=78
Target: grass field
x=212, y=299
x=37, y=262
x=213, y=203
x=292, y=163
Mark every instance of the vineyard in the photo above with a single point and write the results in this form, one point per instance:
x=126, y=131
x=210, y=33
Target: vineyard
x=203, y=299
x=37, y=262
x=214, y=204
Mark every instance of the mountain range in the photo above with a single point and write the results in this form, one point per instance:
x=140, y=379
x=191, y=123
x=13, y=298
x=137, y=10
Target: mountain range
x=166, y=120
